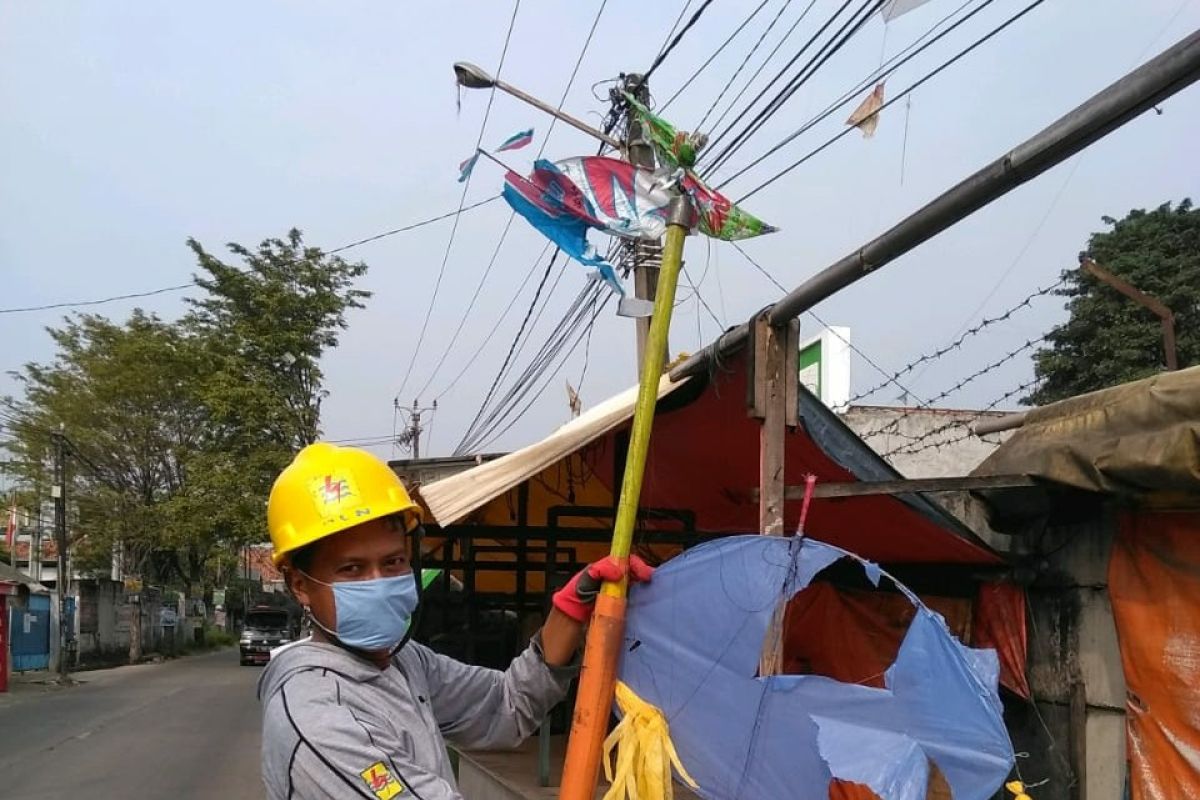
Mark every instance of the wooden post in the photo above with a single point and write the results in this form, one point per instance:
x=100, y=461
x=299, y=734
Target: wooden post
x=773, y=394
x=774, y=376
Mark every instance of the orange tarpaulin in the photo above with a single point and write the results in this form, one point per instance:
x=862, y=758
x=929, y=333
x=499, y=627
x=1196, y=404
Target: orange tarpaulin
x=1154, y=585
x=854, y=636
x=1000, y=625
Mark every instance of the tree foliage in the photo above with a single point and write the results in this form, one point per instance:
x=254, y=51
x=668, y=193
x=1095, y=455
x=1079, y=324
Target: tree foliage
x=1109, y=339
x=178, y=428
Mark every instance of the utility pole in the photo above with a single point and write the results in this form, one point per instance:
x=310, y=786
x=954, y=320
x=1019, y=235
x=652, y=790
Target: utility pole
x=58, y=491
x=411, y=435
x=646, y=257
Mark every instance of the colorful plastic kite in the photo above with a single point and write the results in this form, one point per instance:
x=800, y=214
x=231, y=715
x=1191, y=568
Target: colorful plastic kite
x=719, y=217
x=514, y=142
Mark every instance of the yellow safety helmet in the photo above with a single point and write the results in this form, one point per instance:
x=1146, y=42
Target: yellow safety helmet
x=328, y=489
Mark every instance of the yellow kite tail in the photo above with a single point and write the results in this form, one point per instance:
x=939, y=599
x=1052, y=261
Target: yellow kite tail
x=645, y=753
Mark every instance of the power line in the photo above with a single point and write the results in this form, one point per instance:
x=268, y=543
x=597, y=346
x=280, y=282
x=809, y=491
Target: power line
x=666, y=51
x=567, y=327
x=674, y=27
x=729, y=84
x=183, y=286
x=503, y=315
x=462, y=199
x=596, y=308
x=983, y=325
x=978, y=43
x=881, y=73
x=101, y=301
x=835, y=43
x=550, y=349
x=778, y=45
x=470, y=307
x=414, y=225
x=512, y=215
x=513, y=346
x=716, y=53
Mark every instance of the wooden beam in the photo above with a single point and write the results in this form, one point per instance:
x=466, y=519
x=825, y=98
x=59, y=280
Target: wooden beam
x=773, y=363
x=915, y=485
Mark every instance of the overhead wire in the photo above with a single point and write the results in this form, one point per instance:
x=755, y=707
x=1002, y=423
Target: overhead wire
x=512, y=215
x=770, y=56
x=687, y=4
x=855, y=22
x=515, y=346
x=183, y=286
x=717, y=52
x=503, y=315
x=666, y=51
x=458, y=216
x=568, y=326
x=595, y=308
x=746, y=60
x=881, y=73
x=928, y=77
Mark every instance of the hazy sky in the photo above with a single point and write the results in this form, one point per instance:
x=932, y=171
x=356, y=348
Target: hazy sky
x=130, y=126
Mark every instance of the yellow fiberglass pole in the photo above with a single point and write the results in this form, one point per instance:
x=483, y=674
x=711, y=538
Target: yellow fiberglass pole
x=597, y=679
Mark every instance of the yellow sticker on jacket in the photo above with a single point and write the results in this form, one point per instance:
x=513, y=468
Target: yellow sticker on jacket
x=380, y=781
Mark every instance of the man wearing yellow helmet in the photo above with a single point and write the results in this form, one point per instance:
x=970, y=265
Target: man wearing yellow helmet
x=357, y=710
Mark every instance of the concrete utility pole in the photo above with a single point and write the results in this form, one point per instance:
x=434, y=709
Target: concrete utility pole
x=646, y=256
x=63, y=579
x=411, y=435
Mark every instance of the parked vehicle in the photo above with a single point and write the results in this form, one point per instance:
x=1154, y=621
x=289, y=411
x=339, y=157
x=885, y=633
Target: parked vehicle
x=265, y=629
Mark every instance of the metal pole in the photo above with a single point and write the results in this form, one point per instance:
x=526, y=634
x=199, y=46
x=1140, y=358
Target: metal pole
x=597, y=679
x=63, y=578
x=1152, y=304
x=1166, y=74
x=558, y=114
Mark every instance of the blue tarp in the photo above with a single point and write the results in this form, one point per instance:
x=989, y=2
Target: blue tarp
x=695, y=635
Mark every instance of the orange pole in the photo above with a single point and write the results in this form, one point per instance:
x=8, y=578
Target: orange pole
x=601, y=654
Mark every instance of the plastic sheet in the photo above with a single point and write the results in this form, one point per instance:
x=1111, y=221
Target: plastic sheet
x=1154, y=586
x=695, y=635
x=1000, y=625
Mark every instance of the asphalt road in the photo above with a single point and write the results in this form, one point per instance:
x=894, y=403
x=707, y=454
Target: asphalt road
x=183, y=730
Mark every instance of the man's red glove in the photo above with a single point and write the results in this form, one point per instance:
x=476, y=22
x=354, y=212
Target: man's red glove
x=578, y=598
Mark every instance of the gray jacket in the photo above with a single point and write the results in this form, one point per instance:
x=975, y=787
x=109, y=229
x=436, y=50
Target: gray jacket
x=335, y=725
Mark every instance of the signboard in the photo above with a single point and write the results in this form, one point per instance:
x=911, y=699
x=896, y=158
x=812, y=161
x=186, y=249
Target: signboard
x=132, y=585
x=219, y=598
x=824, y=365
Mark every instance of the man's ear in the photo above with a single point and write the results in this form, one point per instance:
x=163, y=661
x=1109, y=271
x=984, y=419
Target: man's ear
x=298, y=585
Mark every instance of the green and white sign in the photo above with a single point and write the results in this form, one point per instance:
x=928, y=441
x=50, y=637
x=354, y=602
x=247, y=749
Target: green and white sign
x=824, y=364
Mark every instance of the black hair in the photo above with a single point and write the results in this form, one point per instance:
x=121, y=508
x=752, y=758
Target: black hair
x=302, y=557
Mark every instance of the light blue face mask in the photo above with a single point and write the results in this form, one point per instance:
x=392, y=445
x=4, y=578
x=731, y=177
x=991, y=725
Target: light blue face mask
x=372, y=614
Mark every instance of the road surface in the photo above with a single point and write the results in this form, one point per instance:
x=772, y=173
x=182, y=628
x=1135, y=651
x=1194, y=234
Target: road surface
x=183, y=730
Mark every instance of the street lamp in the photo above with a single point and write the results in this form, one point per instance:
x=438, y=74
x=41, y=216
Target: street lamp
x=470, y=76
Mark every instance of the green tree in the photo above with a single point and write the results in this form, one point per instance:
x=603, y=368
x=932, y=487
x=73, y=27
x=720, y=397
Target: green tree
x=1108, y=339
x=269, y=320
x=180, y=427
